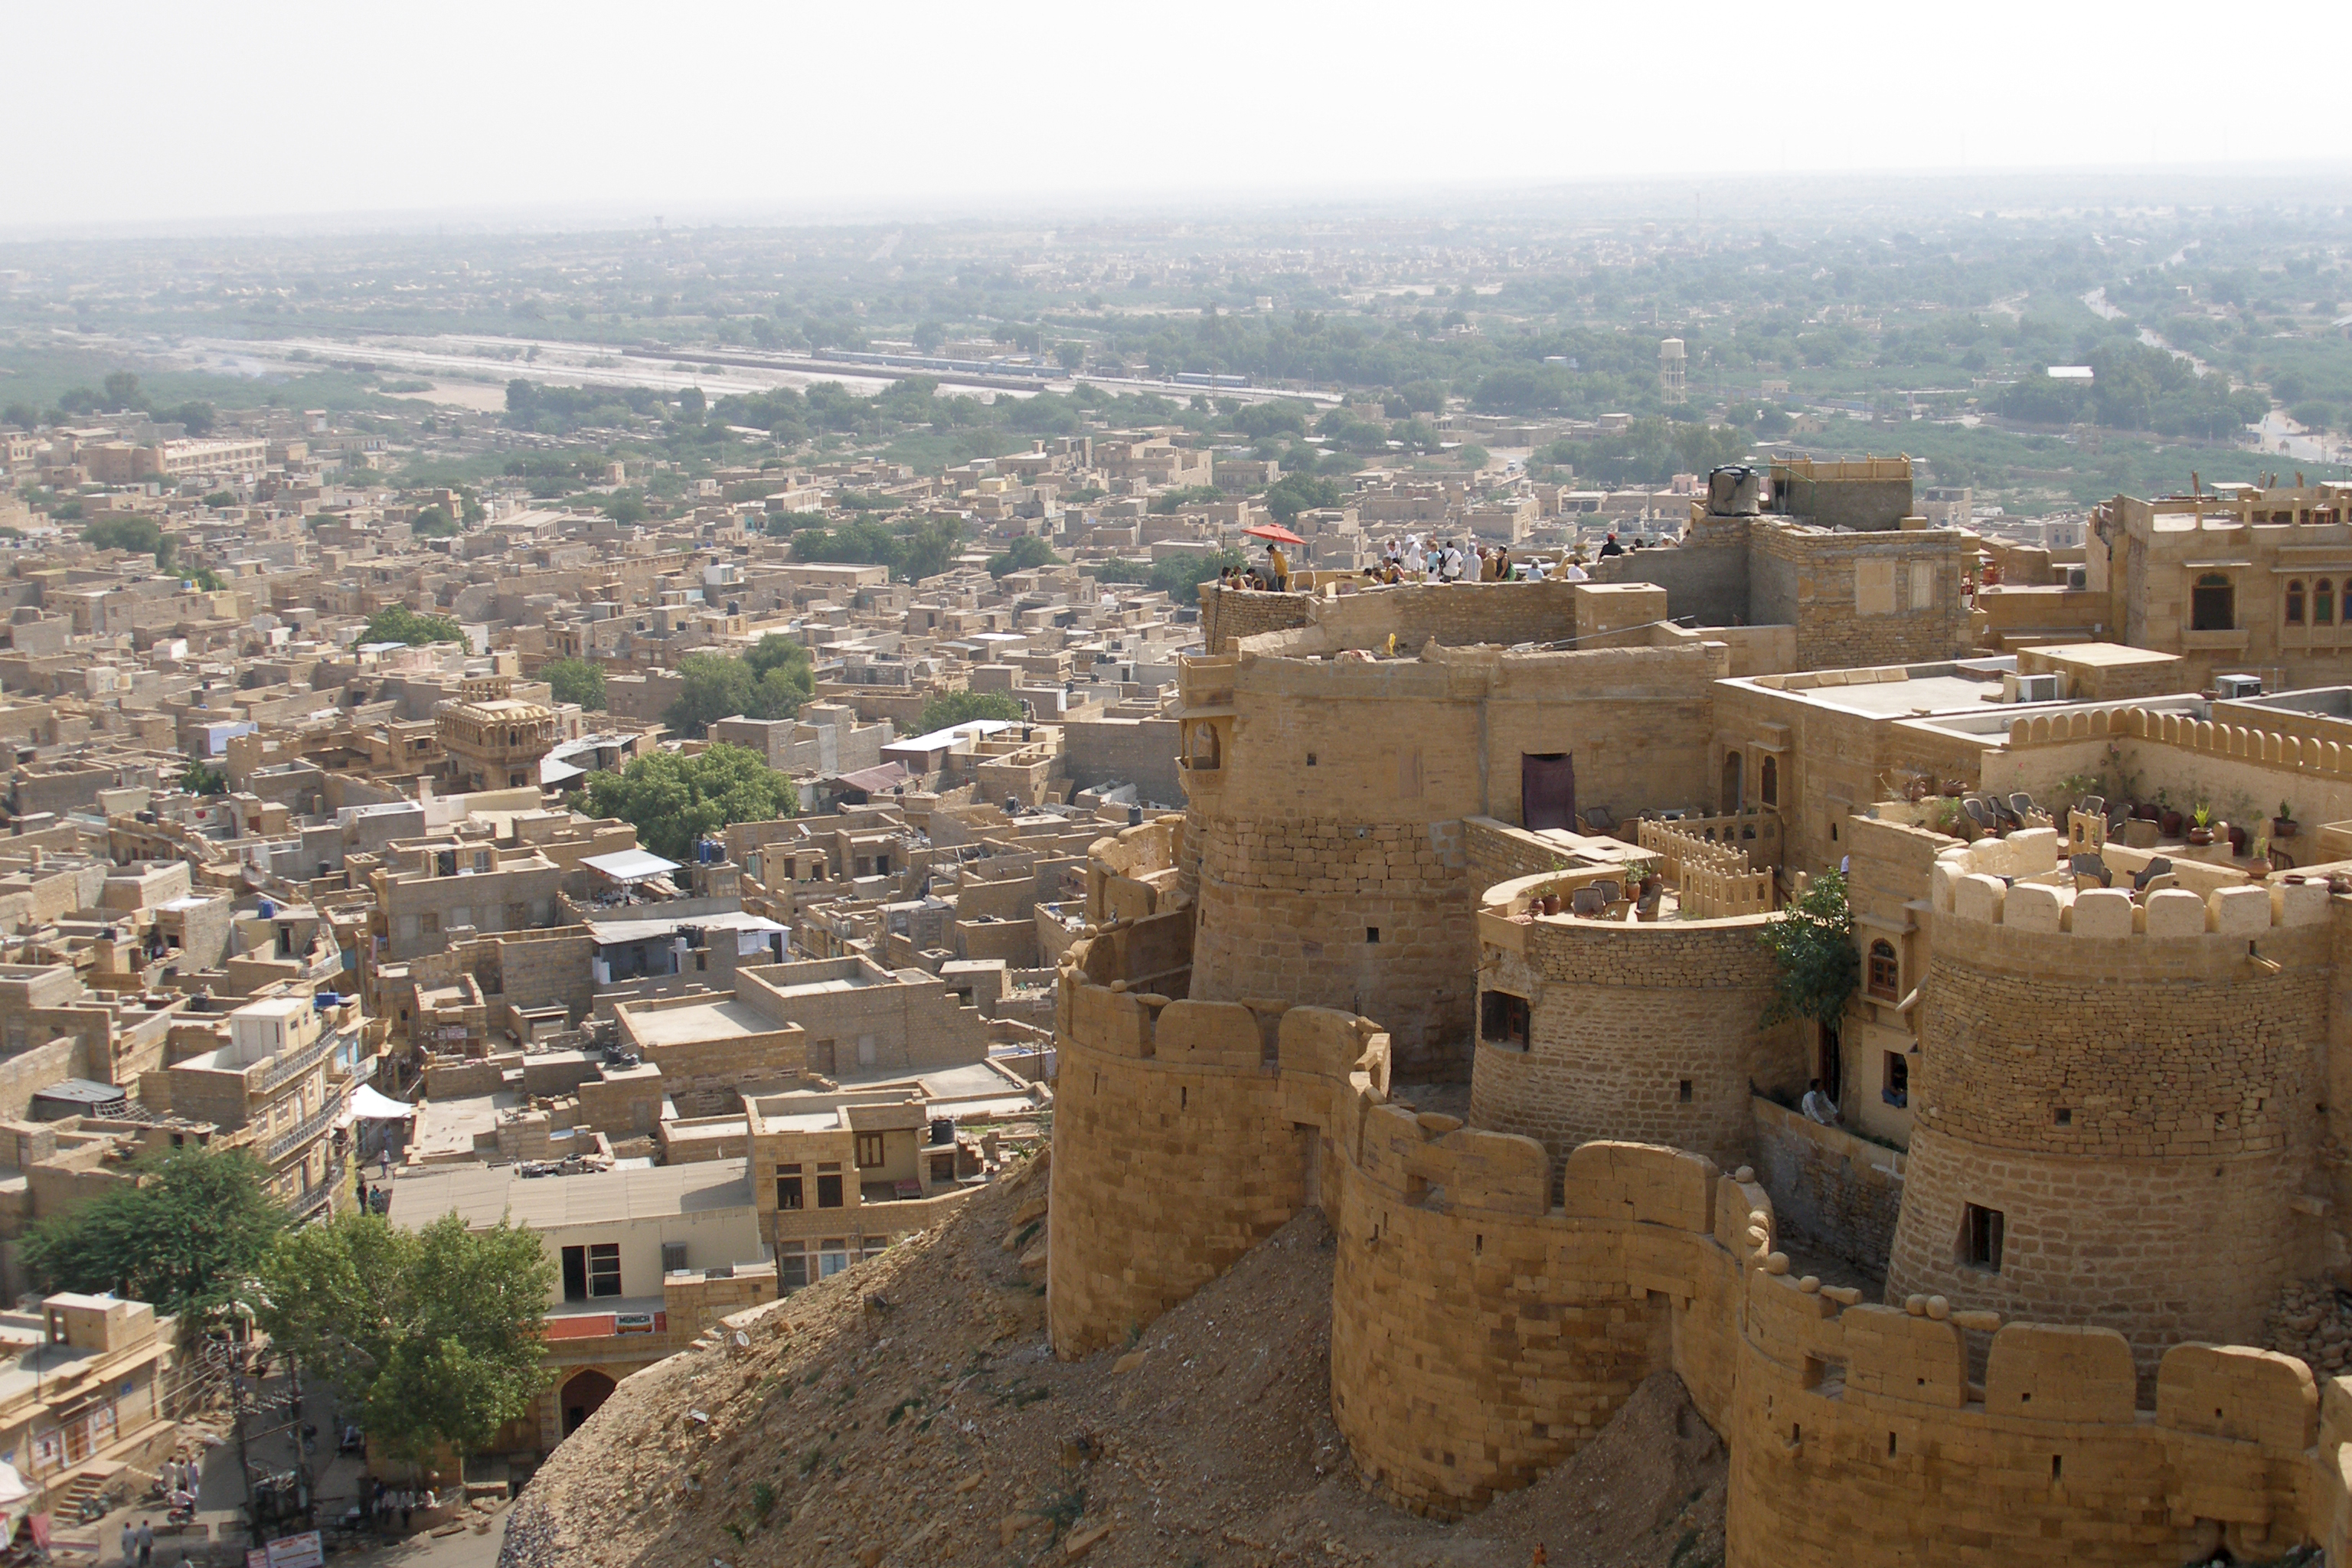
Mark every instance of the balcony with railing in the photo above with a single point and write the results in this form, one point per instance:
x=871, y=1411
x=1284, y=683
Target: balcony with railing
x=305, y=1131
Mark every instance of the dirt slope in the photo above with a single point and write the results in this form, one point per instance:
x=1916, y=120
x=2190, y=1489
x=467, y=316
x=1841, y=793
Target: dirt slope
x=937, y=1430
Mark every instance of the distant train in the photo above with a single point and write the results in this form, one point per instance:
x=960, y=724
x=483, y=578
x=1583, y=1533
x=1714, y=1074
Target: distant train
x=1201, y=378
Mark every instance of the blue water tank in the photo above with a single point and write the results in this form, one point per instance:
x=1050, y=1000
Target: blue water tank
x=268, y=911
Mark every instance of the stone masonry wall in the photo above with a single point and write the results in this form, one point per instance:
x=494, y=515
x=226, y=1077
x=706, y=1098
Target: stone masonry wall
x=1648, y=1032
x=1171, y=1158
x=1227, y=617
x=1845, y=1193
x=1330, y=838
x=1852, y=595
x=2138, y=1109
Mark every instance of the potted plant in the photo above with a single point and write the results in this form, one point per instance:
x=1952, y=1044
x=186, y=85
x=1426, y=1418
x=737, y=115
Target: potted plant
x=2202, y=831
x=2238, y=837
x=2282, y=826
x=2168, y=821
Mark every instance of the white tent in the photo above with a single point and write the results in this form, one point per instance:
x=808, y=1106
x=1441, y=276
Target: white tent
x=368, y=1105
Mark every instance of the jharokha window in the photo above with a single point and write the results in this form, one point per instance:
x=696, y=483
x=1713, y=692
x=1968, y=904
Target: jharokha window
x=2322, y=603
x=2294, y=603
x=1885, y=970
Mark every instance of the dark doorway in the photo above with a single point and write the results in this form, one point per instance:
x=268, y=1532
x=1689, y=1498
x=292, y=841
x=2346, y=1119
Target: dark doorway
x=581, y=1396
x=1735, y=781
x=1548, y=790
x=575, y=1274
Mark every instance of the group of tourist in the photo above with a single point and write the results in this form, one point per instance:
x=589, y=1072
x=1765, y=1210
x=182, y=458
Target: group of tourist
x=1411, y=560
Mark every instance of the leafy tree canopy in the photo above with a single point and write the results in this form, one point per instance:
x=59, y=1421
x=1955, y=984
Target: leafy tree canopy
x=137, y=534
x=398, y=623
x=714, y=685
x=952, y=708
x=675, y=799
x=433, y=522
x=184, y=1237
x=1027, y=552
x=576, y=681
x=1813, y=946
x=1295, y=493
x=430, y=1337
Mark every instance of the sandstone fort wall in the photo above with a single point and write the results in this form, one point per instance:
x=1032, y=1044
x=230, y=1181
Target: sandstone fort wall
x=1331, y=867
x=2137, y=1106
x=1481, y=1332
x=1647, y=1033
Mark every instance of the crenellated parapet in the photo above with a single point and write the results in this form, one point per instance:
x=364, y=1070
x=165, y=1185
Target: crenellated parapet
x=1494, y=1304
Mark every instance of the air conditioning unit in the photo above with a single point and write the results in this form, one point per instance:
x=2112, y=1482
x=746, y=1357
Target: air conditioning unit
x=2037, y=688
x=2078, y=576
x=2238, y=687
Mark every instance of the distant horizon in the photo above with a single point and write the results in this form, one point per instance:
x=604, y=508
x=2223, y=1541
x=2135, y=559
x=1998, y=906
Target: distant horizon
x=263, y=113
x=1658, y=198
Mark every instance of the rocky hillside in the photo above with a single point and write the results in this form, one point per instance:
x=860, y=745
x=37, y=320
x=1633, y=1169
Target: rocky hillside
x=909, y=1412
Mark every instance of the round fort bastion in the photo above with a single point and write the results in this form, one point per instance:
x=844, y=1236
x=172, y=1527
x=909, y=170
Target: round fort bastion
x=2116, y=1106
x=1649, y=1032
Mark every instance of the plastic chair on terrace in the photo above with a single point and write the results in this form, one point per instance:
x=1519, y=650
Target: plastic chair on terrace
x=2023, y=804
x=1587, y=901
x=1610, y=888
x=2090, y=869
x=1979, y=812
x=2159, y=866
x=2160, y=884
x=2092, y=805
x=1600, y=819
x=1646, y=906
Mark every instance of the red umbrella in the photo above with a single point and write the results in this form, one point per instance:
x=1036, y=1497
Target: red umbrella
x=1273, y=531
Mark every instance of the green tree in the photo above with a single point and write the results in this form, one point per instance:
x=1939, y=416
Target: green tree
x=21, y=414
x=196, y=414
x=430, y=1337
x=433, y=522
x=137, y=534
x=398, y=623
x=928, y=336
x=1474, y=458
x=1812, y=947
x=949, y=709
x=577, y=680
x=1027, y=552
x=714, y=685
x=201, y=778
x=122, y=391
x=204, y=577
x=219, y=498
x=624, y=507
x=675, y=799
x=1295, y=493
x=184, y=1235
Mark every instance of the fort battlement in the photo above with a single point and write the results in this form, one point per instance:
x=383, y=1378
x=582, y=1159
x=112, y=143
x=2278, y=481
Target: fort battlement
x=2016, y=883
x=1483, y=1329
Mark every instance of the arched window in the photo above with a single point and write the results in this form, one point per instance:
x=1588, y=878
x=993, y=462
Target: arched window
x=1768, y=780
x=2294, y=603
x=2322, y=603
x=1885, y=970
x=2213, y=604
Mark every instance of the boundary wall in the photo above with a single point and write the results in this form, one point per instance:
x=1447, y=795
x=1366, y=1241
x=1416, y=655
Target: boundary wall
x=1482, y=1331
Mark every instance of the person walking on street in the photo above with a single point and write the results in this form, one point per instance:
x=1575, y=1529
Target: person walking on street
x=146, y=1542
x=130, y=1545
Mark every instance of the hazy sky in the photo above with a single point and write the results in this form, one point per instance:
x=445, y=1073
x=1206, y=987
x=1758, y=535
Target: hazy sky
x=146, y=114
